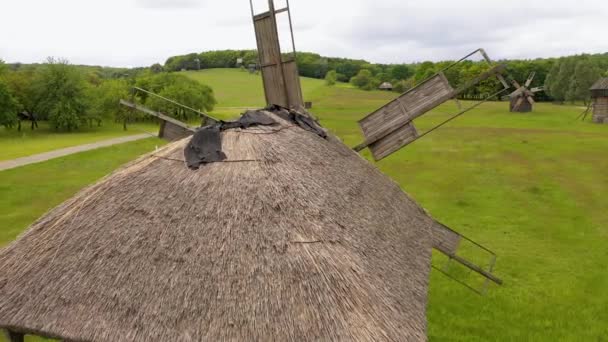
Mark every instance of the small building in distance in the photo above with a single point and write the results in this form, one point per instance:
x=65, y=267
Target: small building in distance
x=386, y=86
x=253, y=68
x=599, y=95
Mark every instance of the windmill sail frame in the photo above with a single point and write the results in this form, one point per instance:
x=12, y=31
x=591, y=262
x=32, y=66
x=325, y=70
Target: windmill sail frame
x=279, y=74
x=391, y=127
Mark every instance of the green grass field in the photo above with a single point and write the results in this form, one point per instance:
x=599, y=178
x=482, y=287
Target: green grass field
x=531, y=187
x=15, y=144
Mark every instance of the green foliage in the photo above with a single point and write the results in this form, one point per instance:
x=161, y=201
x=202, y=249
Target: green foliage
x=8, y=107
x=104, y=100
x=403, y=85
x=364, y=80
x=585, y=74
x=66, y=114
x=156, y=68
x=210, y=59
x=331, y=78
x=178, y=88
x=401, y=72
x=22, y=84
x=570, y=78
x=561, y=81
x=424, y=71
x=60, y=90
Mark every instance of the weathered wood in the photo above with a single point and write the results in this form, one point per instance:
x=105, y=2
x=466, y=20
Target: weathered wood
x=445, y=240
x=173, y=132
x=406, y=108
x=14, y=336
x=280, y=77
x=475, y=268
x=170, y=128
x=394, y=141
x=414, y=103
x=600, y=110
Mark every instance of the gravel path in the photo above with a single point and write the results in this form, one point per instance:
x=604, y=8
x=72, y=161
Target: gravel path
x=37, y=158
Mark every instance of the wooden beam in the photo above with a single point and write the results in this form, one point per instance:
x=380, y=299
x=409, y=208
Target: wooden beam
x=156, y=114
x=470, y=265
x=14, y=336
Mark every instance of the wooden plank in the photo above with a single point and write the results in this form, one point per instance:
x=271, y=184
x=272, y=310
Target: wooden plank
x=14, y=336
x=173, y=132
x=270, y=59
x=406, y=108
x=394, y=141
x=414, y=103
x=292, y=83
x=280, y=78
x=445, y=240
x=159, y=115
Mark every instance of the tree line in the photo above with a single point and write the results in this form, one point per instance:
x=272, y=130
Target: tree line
x=70, y=96
x=566, y=79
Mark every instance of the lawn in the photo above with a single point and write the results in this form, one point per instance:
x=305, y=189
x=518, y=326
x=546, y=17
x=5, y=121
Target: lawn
x=531, y=187
x=15, y=144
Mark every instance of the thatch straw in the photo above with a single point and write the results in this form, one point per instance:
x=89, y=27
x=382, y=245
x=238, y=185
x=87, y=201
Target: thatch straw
x=293, y=238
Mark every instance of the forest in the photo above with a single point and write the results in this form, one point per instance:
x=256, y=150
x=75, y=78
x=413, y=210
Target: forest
x=71, y=96
x=565, y=78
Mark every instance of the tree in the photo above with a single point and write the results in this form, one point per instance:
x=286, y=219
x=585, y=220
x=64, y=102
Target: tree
x=60, y=90
x=401, y=72
x=22, y=86
x=403, y=85
x=331, y=78
x=104, y=101
x=424, y=71
x=585, y=74
x=156, y=68
x=178, y=88
x=9, y=107
x=364, y=80
x=560, y=82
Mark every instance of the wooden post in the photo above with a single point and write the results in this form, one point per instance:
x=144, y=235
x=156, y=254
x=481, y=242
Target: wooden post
x=14, y=336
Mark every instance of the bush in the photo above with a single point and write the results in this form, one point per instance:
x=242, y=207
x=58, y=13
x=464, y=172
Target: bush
x=60, y=91
x=331, y=78
x=8, y=107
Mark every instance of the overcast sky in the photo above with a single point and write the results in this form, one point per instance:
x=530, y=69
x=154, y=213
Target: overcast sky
x=143, y=32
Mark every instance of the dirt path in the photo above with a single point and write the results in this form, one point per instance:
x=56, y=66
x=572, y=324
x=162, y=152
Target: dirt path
x=37, y=158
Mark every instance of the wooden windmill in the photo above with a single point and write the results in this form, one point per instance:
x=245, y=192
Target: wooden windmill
x=522, y=99
x=281, y=233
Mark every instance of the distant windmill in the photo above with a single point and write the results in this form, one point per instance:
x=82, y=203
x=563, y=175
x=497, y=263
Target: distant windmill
x=522, y=99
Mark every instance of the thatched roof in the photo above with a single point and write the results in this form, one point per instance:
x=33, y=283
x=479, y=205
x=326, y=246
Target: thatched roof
x=386, y=85
x=601, y=84
x=293, y=237
x=600, y=88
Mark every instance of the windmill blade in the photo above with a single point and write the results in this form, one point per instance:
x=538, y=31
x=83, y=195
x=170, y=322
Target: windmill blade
x=531, y=100
x=530, y=79
x=518, y=104
x=516, y=84
x=537, y=89
x=518, y=92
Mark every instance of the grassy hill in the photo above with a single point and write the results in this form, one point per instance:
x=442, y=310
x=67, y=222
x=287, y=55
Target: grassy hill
x=531, y=187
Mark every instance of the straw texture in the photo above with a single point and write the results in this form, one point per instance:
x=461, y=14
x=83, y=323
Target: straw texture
x=293, y=237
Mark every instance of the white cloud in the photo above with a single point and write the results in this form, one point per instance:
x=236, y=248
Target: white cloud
x=142, y=32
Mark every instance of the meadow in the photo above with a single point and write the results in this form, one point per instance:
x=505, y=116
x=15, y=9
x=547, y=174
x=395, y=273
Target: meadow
x=531, y=187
